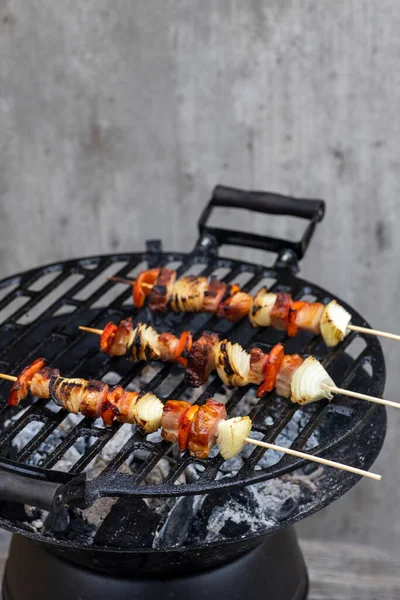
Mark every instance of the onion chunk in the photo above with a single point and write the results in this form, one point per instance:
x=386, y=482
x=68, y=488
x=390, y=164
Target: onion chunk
x=334, y=323
x=308, y=383
x=232, y=434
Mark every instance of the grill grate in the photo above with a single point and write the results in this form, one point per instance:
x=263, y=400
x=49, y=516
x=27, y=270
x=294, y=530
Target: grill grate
x=40, y=321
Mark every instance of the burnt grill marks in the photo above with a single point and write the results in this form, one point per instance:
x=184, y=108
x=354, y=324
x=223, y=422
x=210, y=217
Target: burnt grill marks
x=66, y=345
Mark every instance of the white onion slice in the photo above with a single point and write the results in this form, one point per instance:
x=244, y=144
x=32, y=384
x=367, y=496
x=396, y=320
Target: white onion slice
x=232, y=434
x=188, y=294
x=260, y=312
x=232, y=363
x=308, y=382
x=334, y=323
x=148, y=348
x=148, y=412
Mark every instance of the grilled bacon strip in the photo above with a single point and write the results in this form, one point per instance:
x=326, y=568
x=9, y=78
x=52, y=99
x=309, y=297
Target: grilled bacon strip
x=195, y=293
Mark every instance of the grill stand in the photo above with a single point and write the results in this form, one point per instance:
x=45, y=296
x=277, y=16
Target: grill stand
x=274, y=570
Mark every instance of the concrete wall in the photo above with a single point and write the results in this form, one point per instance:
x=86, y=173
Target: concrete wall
x=117, y=118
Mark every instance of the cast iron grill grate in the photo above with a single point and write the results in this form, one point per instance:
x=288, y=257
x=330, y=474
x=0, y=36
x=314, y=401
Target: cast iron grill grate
x=40, y=311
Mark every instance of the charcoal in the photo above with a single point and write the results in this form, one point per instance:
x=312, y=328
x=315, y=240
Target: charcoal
x=130, y=523
x=174, y=532
x=57, y=522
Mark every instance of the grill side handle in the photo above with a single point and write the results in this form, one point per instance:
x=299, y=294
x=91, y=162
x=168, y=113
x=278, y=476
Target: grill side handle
x=36, y=489
x=262, y=202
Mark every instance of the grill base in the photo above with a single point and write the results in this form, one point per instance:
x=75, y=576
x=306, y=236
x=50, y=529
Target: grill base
x=275, y=570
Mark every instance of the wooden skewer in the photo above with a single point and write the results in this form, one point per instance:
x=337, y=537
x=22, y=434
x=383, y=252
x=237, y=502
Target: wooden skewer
x=8, y=377
x=337, y=390
x=317, y=459
x=91, y=330
x=331, y=388
x=121, y=280
x=391, y=336
x=322, y=461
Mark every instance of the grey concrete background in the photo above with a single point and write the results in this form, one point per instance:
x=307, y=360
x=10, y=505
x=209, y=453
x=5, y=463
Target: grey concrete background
x=118, y=117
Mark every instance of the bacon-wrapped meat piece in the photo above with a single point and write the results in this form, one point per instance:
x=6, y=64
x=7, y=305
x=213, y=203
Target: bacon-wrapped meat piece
x=161, y=292
x=305, y=316
x=40, y=384
x=204, y=429
x=122, y=338
x=213, y=295
x=201, y=359
x=237, y=306
x=280, y=311
x=258, y=360
x=94, y=395
x=173, y=413
x=289, y=366
x=20, y=388
x=109, y=408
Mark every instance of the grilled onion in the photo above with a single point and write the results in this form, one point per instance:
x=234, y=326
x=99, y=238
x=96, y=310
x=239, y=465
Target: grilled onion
x=308, y=383
x=143, y=343
x=147, y=412
x=260, y=312
x=188, y=294
x=232, y=363
x=334, y=323
x=232, y=434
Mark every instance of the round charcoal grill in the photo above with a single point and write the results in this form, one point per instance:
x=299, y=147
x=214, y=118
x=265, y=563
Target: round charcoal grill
x=40, y=312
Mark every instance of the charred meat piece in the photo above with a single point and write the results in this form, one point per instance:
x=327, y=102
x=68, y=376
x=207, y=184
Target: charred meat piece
x=213, y=295
x=40, y=384
x=201, y=359
x=122, y=338
x=204, y=428
x=280, y=311
x=20, y=388
x=161, y=292
x=109, y=408
x=173, y=413
x=289, y=366
x=237, y=306
x=258, y=360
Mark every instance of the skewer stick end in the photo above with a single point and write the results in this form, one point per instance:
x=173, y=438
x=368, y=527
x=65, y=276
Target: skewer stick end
x=8, y=377
x=90, y=330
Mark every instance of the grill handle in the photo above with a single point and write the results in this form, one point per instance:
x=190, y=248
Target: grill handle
x=34, y=487
x=263, y=202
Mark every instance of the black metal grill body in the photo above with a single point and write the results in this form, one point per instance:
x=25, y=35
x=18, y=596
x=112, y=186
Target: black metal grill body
x=43, y=309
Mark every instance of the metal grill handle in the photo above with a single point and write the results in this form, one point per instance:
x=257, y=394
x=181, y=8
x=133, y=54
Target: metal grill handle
x=263, y=202
x=41, y=492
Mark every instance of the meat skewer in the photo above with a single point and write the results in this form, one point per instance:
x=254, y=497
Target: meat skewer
x=195, y=428
x=160, y=288
x=303, y=381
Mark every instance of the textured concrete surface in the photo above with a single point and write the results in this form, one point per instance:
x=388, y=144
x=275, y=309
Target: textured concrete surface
x=118, y=117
